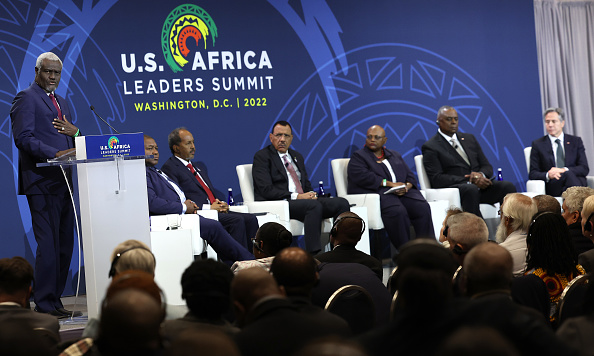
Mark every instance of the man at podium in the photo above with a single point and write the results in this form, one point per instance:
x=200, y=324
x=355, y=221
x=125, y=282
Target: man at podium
x=166, y=197
x=42, y=130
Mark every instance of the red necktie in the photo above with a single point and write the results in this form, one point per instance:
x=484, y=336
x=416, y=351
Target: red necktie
x=204, y=186
x=293, y=174
x=56, y=105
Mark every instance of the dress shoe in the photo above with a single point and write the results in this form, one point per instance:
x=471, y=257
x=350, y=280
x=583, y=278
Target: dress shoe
x=68, y=313
x=54, y=312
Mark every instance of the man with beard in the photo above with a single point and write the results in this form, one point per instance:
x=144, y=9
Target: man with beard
x=516, y=214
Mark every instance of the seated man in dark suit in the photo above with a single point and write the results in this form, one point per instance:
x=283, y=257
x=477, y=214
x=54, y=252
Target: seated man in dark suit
x=193, y=180
x=344, y=236
x=456, y=160
x=375, y=169
x=16, y=276
x=558, y=159
x=279, y=174
x=165, y=197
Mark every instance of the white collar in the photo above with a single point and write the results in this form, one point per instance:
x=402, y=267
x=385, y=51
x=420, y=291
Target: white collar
x=448, y=138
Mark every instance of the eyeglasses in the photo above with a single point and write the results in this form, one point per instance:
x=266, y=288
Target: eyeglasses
x=281, y=135
x=376, y=137
x=256, y=244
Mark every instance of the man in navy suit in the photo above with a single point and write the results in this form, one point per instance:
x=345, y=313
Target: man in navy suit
x=454, y=159
x=279, y=174
x=193, y=180
x=42, y=130
x=376, y=169
x=557, y=158
x=166, y=197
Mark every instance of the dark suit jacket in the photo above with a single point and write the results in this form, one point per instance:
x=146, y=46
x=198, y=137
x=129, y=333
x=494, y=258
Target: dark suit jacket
x=271, y=181
x=36, y=138
x=162, y=198
x=34, y=319
x=542, y=157
x=349, y=254
x=181, y=175
x=444, y=166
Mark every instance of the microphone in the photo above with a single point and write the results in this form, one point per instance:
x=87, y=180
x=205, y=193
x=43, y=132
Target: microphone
x=107, y=123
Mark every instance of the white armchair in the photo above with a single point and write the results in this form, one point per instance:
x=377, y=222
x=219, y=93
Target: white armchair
x=533, y=186
x=278, y=207
x=452, y=195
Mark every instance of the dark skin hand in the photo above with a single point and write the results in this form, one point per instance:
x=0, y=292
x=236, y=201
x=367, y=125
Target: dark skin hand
x=477, y=179
x=64, y=127
x=400, y=192
x=61, y=153
x=191, y=207
x=219, y=206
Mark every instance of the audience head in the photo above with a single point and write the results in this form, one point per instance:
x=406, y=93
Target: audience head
x=130, y=323
x=295, y=270
x=588, y=218
x=19, y=338
x=281, y=136
x=554, y=121
x=132, y=255
x=550, y=246
x=181, y=143
x=250, y=286
x=465, y=230
x=573, y=202
x=517, y=211
x=203, y=341
x=270, y=239
x=452, y=210
x=132, y=279
x=347, y=229
x=447, y=120
x=332, y=346
x=488, y=267
x=16, y=275
x=472, y=341
x=206, y=287
x=151, y=148
x=546, y=203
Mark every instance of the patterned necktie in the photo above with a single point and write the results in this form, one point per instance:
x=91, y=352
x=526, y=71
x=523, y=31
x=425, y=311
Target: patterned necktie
x=57, y=106
x=293, y=174
x=211, y=197
x=560, y=155
x=460, y=151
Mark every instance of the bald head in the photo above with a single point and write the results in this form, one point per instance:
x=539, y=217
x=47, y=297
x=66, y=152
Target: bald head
x=347, y=229
x=376, y=130
x=488, y=267
x=295, y=270
x=251, y=285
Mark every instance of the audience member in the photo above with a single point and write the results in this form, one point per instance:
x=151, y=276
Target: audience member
x=270, y=239
x=557, y=158
x=16, y=276
x=547, y=203
x=270, y=325
x=454, y=159
x=279, y=173
x=586, y=259
x=202, y=342
x=132, y=255
x=376, y=169
x=464, y=231
x=206, y=288
x=332, y=346
x=578, y=331
x=481, y=341
x=551, y=256
x=295, y=271
x=452, y=210
x=166, y=197
x=573, y=202
x=20, y=338
x=192, y=178
x=517, y=211
x=344, y=236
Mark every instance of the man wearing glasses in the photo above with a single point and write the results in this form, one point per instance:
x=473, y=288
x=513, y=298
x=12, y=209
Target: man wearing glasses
x=376, y=169
x=279, y=174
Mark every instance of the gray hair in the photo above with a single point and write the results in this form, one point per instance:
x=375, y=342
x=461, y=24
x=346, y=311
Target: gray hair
x=575, y=196
x=50, y=56
x=559, y=112
x=467, y=229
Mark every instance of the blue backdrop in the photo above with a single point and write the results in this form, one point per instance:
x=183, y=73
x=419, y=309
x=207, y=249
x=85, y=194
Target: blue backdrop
x=227, y=70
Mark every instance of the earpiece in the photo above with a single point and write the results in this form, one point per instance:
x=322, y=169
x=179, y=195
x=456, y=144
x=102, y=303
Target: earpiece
x=112, y=269
x=445, y=231
x=334, y=226
x=458, y=250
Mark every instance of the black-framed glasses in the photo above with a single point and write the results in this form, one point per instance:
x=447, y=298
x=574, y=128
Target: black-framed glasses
x=375, y=137
x=256, y=244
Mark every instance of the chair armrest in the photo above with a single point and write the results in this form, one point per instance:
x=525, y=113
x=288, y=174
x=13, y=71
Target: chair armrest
x=590, y=180
x=239, y=208
x=452, y=195
x=209, y=214
x=278, y=207
x=536, y=186
x=372, y=202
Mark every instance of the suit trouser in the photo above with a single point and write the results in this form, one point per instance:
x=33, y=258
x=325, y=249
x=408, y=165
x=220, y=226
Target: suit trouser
x=228, y=249
x=52, y=218
x=556, y=187
x=398, y=213
x=471, y=196
x=242, y=227
x=312, y=212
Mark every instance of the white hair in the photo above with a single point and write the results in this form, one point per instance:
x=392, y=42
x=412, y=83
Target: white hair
x=50, y=56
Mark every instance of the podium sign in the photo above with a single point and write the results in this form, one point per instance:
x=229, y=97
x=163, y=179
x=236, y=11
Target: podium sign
x=113, y=204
